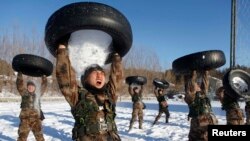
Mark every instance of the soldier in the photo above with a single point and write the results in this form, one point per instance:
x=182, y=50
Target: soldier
x=93, y=105
x=234, y=114
x=200, y=110
x=163, y=105
x=31, y=115
x=138, y=105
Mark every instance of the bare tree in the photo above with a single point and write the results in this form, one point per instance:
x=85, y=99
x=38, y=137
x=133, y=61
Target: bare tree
x=143, y=62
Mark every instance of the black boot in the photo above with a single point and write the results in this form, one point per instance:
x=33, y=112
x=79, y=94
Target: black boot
x=131, y=125
x=154, y=123
x=140, y=125
x=166, y=120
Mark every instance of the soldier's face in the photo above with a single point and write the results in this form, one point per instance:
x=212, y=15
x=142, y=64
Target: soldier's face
x=96, y=78
x=136, y=90
x=31, y=88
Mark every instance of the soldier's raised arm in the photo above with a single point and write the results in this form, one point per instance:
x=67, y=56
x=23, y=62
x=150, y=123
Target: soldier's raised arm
x=66, y=77
x=190, y=86
x=20, y=84
x=116, y=75
x=205, y=82
x=141, y=90
x=44, y=84
x=156, y=91
x=130, y=90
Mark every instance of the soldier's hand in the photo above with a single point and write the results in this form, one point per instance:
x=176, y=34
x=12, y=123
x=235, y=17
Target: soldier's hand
x=62, y=49
x=116, y=57
x=193, y=73
x=19, y=73
x=44, y=77
x=62, y=46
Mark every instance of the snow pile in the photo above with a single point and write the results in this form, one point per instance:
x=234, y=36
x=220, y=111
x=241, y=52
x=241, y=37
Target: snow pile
x=88, y=47
x=240, y=84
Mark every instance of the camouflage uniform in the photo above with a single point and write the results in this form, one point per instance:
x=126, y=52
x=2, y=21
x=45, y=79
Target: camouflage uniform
x=163, y=106
x=94, y=113
x=30, y=117
x=137, y=107
x=200, y=110
x=247, y=110
x=234, y=114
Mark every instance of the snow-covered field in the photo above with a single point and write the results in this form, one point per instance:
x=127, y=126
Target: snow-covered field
x=58, y=123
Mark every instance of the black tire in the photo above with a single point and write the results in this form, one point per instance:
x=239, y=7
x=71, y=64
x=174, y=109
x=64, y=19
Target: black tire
x=205, y=60
x=140, y=80
x=88, y=15
x=229, y=85
x=161, y=83
x=32, y=65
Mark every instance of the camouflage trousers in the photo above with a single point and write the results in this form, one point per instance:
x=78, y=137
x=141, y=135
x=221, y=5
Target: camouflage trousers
x=161, y=111
x=108, y=136
x=137, y=112
x=235, y=116
x=30, y=124
x=198, y=128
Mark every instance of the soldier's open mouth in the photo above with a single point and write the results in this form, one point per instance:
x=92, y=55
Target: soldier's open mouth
x=98, y=82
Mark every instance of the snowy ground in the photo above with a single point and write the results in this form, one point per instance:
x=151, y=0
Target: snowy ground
x=58, y=123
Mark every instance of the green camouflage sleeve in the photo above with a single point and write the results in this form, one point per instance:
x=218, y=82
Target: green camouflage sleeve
x=44, y=84
x=66, y=77
x=156, y=91
x=141, y=90
x=205, y=82
x=116, y=75
x=130, y=90
x=20, y=84
x=190, y=91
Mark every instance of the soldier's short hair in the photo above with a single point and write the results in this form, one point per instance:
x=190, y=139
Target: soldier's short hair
x=94, y=67
x=31, y=83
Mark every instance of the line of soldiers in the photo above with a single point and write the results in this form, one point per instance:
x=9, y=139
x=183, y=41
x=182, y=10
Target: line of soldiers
x=93, y=104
